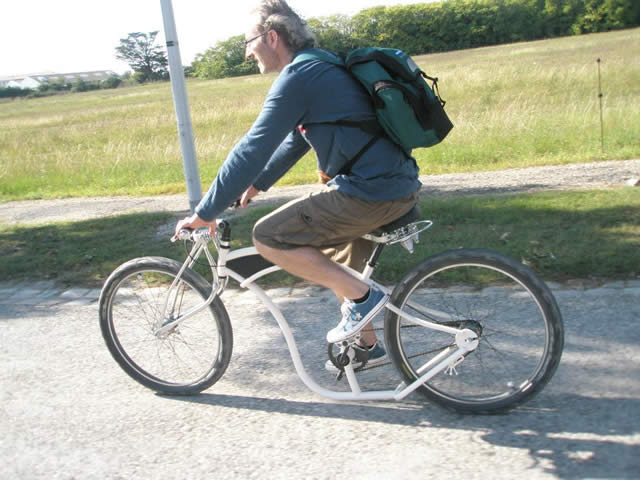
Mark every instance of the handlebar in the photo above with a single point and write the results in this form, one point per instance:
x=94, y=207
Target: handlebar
x=223, y=233
x=221, y=226
x=183, y=234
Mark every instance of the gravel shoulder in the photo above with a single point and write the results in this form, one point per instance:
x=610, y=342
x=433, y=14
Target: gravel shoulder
x=519, y=180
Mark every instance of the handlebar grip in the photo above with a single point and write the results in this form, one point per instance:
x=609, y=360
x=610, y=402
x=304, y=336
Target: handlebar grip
x=183, y=234
x=224, y=231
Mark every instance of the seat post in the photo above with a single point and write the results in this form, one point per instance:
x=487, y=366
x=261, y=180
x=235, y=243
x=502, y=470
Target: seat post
x=373, y=260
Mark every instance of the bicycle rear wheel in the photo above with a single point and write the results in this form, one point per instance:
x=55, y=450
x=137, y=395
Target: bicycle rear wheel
x=185, y=360
x=513, y=313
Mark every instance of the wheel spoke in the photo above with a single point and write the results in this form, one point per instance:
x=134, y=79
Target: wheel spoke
x=502, y=303
x=184, y=359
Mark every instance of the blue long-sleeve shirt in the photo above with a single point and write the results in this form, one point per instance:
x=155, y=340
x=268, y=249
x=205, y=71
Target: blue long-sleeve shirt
x=313, y=94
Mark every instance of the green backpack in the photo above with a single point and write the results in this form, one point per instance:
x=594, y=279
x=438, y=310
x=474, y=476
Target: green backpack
x=408, y=109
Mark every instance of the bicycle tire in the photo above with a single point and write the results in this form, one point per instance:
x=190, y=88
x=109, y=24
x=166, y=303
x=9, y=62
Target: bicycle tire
x=513, y=312
x=188, y=359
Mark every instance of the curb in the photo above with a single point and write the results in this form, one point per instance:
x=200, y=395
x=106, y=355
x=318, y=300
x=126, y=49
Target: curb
x=46, y=294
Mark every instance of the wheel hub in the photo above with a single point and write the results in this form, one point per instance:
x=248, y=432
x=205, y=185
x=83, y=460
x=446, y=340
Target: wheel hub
x=473, y=325
x=467, y=340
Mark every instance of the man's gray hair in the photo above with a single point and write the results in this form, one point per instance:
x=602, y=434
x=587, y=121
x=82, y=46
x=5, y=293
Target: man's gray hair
x=279, y=16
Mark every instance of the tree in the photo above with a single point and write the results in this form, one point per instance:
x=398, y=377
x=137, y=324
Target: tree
x=147, y=60
x=367, y=25
x=111, y=82
x=334, y=33
x=226, y=59
x=603, y=15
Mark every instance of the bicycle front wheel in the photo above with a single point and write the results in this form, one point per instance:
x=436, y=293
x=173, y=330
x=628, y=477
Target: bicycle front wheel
x=512, y=312
x=137, y=299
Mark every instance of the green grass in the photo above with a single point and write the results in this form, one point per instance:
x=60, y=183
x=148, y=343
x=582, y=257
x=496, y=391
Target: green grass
x=515, y=105
x=582, y=234
x=537, y=103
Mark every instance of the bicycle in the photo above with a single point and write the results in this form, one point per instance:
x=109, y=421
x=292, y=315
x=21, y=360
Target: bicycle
x=472, y=330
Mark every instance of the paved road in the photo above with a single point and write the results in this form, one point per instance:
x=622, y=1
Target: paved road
x=69, y=412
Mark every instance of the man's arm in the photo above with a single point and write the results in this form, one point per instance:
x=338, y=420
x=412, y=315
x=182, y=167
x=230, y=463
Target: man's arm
x=288, y=153
x=282, y=111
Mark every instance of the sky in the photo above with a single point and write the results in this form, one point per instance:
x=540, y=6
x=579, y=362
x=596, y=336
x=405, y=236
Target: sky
x=64, y=36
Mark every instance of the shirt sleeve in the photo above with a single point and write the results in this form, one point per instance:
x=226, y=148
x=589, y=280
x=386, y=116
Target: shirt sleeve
x=287, y=154
x=282, y=111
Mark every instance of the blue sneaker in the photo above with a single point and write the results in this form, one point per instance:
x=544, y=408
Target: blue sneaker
x=355, y=316
x=377, y=355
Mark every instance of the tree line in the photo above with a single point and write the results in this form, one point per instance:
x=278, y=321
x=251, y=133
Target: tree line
x=53, y=88
x=439, y=26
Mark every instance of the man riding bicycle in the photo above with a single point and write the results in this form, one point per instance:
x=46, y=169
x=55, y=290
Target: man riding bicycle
x=305, y=237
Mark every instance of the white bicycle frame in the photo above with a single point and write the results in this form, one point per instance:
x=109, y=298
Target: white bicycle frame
x=465, y=339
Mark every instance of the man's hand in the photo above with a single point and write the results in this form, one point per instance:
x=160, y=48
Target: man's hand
x=248, y=195
x=193, y=222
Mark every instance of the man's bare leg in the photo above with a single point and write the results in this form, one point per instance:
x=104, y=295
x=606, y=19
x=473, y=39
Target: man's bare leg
x=310, y=264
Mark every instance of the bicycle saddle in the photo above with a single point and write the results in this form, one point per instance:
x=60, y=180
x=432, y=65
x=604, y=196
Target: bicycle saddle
x=411, y=216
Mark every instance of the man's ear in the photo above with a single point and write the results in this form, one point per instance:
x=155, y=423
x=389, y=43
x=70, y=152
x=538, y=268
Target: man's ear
x=273, y=37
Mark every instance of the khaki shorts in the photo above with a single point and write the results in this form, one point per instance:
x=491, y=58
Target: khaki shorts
x=332, y=222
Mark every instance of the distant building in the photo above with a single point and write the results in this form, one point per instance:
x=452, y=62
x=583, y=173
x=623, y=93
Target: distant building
x=36, y=79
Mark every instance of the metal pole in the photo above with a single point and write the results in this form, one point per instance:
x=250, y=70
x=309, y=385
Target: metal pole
x=185, y=130
x=601, y=122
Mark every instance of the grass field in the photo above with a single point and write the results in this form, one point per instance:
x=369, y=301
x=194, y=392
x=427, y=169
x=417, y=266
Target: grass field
x=567, y=235
x=513, y=105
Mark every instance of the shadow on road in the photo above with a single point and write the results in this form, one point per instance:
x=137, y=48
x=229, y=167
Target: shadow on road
x=570, y=436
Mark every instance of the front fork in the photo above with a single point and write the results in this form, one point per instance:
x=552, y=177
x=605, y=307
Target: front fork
x=167, y=320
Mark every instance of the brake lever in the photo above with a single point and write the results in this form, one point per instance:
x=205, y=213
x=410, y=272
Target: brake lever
x=183, y=234
x=237, y=204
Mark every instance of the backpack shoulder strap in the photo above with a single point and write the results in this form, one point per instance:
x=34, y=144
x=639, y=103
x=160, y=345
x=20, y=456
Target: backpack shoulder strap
x=372, y=127
x=346, y=168
x=396, y=62
x=317, y=54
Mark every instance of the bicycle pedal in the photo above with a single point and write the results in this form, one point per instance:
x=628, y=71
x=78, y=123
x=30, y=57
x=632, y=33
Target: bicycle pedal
x=361, y=354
